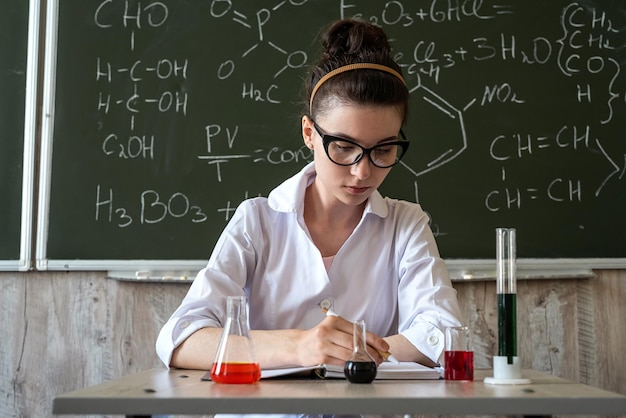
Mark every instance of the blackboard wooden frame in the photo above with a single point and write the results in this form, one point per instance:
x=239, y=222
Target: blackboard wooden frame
x=464, y=268
x=24, y=262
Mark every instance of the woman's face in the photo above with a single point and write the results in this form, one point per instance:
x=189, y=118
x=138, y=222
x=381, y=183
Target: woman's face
x=365, y=125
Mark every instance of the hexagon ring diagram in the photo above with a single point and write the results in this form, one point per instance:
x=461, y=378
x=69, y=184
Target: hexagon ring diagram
x=442, y=135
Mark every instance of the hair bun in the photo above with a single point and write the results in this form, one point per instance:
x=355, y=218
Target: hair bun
x=351, y=37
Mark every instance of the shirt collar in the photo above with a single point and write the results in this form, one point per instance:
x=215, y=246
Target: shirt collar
x=289, y=196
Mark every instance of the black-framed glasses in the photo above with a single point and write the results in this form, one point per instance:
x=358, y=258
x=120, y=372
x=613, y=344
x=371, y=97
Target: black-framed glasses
x=345, y=152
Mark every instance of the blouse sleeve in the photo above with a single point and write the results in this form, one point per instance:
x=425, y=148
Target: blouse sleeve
x=225, y=275
x=427, y=302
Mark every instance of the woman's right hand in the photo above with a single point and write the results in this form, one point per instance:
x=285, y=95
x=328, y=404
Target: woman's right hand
x=331, y=342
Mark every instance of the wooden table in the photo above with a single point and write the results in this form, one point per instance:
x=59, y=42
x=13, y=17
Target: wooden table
x=182, y=392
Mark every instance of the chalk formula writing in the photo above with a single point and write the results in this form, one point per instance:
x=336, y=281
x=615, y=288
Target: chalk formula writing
x=426, y=62
x=150, y=208
x=273, y=155
x=557, y=190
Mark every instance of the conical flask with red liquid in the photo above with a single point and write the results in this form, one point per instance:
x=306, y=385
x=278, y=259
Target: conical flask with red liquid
x=235, y=361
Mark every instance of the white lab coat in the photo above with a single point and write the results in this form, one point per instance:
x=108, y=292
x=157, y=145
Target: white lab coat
x=388, y=273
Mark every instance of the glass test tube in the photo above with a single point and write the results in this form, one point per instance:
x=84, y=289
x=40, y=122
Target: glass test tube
x=506, y=290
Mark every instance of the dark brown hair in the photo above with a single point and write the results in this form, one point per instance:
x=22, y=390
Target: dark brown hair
x=351, y=41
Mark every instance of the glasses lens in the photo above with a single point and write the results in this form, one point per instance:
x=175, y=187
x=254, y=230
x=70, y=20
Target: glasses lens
x=386, y=155
x=343, y=152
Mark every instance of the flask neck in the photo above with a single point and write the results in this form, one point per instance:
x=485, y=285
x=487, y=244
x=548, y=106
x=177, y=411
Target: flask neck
x=237, y=316
x=359, y=341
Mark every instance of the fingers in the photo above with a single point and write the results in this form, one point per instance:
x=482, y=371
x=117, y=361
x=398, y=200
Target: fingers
x=376, y=342
x=337, y=332
x=329, y=342
x=380, y=346
x=343, y=342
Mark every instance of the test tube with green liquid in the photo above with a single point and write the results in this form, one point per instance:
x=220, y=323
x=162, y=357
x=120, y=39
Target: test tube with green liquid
x=506, y=290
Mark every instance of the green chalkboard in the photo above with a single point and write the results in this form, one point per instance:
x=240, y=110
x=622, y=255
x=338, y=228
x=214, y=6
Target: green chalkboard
x=14, y=245
x=166, y=115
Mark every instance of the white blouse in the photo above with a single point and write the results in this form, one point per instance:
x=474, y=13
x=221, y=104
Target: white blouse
x=388, y=273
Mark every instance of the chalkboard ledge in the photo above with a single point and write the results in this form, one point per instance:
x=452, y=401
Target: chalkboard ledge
x=532, y=268
x=151, y=276
x=126, y=269
x=183, y=271
x=14, y=265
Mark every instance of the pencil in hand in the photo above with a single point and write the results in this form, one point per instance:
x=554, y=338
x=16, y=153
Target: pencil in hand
x=385, y=354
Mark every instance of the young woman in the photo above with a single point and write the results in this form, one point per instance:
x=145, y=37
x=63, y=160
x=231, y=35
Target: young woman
x=326, y=238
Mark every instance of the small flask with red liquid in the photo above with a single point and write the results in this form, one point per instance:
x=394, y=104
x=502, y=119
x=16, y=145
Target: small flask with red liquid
x=458, y=355
x=235, y=361
x=360, y=367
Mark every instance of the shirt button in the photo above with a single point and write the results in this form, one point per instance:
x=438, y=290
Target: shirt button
x=183, y=324
x=326, y=304
x=433, y=340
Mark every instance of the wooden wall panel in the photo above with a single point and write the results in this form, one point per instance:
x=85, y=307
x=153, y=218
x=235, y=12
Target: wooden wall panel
x=609, y=330
x=138, y=311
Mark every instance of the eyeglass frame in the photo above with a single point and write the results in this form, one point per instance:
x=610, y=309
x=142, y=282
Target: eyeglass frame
x=327, y=139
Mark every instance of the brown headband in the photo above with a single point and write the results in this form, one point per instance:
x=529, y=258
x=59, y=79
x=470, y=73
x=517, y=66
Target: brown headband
x=350, y=67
